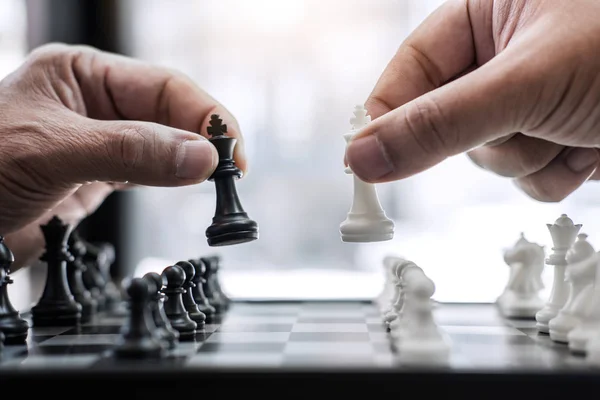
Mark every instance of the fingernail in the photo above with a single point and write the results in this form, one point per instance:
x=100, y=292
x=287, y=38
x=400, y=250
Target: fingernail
x=367, y=158
x=195, y=159
x=579, y=160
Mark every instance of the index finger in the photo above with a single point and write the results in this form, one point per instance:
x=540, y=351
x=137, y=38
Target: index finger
x=118, y=87
x=450, y=42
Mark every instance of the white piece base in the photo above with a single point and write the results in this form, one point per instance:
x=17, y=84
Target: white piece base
x=367, y=228
x=581, y=335
x=544, y=316
x=425, y=352
x=512, y=305
x=593, y=352
x=561, y=326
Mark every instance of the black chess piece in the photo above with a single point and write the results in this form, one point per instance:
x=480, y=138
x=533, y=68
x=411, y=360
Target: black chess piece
x=210, y=289
x=216, y=266
x=12, y=325
x=138, y=339
x=75, y=269
x=164, y=329
x=188, y=297
x=57, y=306
x=2, y=338
x=174, y=307
x=198, y=292
x=231, y=224
x=105, y=259
x=92, y=276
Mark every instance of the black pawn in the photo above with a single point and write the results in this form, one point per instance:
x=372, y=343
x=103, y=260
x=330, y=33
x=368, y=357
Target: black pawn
x=230, y=224
x=92, y=277
x=174, y=307
x=188, y=297
x=75, y=270
x=216, y=267
x=57, y=306
x=198, y=291
x=210, y=289
x=164, y=329
x=138, y=340
x=105, y=260
x=14, y=328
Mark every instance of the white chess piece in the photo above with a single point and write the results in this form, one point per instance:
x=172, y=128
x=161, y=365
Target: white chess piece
x=521, y=297
x=422, y=342
x=388, y=294
x=366, y=220
x=407, y=275
x=396, y=303
x=580, y=275
x=592, y=350
x=563, y=233
x=589, y=326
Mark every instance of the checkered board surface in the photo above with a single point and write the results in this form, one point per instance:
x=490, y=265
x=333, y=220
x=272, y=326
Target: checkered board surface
x=306, y=335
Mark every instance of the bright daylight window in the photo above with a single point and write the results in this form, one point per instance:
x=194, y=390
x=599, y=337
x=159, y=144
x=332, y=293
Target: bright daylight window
x=291, y=72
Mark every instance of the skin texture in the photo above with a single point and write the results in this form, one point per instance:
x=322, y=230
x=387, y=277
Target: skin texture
x=77, y=124
x=513, y=84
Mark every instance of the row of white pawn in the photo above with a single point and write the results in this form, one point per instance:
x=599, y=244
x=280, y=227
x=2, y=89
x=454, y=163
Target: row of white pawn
x=571, y=314
x=406, y=306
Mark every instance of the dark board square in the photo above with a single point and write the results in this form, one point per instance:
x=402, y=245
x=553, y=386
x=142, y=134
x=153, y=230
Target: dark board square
x=66, y=350
x=242, y=348
x=94, y=329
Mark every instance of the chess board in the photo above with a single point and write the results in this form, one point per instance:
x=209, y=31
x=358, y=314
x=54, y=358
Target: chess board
x=265, y=345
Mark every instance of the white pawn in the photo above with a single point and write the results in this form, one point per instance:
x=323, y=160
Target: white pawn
x=407, y=276
x=422, y=342
x=589, y=326
x=580, y=275
x=521, y=296
x=366, y=220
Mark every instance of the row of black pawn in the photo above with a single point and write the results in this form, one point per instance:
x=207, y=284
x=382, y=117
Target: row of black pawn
x=78, y=283
x=170, y=307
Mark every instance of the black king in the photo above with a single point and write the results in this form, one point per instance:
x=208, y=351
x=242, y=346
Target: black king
x=230, y=224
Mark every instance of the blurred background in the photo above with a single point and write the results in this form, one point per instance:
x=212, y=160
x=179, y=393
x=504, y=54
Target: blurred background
x=291, y=72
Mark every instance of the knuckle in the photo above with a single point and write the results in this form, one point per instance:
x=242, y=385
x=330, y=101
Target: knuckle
x=544, y=192
x=129, y=146
x=430, y=128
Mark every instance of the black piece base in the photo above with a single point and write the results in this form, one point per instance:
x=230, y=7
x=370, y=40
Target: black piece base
x=57, y=314
x=145, y=349
x=187, y=336
x=232, y=238
x=15, y=330
x=231, y=229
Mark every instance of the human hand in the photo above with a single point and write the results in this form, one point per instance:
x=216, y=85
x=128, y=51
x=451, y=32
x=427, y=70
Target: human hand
x=515, y=84
x=74, y=119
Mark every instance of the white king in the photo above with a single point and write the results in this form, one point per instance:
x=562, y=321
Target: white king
x=366, y=220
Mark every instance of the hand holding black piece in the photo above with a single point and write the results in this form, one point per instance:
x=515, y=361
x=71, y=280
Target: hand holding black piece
x=231, y=224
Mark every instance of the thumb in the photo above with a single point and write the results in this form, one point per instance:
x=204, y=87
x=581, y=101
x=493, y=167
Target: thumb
x=484, y=105
x=142, y=153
